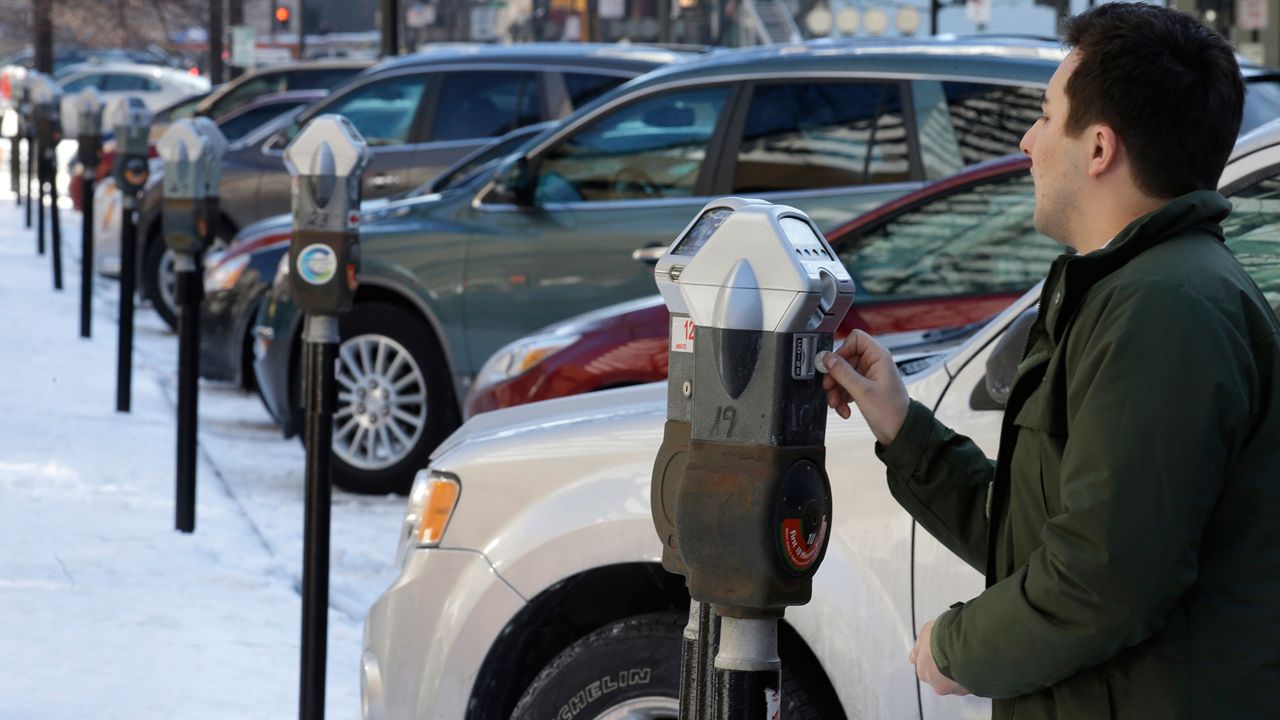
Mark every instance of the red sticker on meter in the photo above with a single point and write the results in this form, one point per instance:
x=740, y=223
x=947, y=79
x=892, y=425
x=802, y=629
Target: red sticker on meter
x=682, y=330
x=801, y=549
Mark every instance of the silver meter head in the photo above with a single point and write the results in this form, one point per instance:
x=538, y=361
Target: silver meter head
x=327, y=152
x=210, y=171
x=182, y=148
x=130, y=121
x=756, y=267
x=669, y=267
x=44, y=91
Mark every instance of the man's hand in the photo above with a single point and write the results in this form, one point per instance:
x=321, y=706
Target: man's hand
x=862, y=372
x=927, y=670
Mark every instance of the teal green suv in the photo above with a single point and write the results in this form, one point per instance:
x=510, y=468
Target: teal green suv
x=575, y=217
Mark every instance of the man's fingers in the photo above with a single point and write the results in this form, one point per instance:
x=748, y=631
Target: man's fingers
x=844, y=374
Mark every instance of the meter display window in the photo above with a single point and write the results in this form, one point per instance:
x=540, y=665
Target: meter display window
x=650, y=149
x=383, y=111
x=1253, y=234
x=800, y=136
x=975, y=241
x=484, y=104
x=701, y=230
x=990, y=120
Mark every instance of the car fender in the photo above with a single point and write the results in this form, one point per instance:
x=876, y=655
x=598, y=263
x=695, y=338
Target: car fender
x=538, y=529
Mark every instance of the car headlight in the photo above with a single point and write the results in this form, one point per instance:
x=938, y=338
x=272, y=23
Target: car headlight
x=520, y=356
x=431, y=503
x=224, y=275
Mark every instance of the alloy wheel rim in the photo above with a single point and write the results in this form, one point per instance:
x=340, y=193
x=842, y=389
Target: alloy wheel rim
x=650, y=707
x=382, y=402
x=168, y=281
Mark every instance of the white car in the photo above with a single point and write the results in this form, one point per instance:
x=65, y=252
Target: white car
x=157, y=86
x=530, y=566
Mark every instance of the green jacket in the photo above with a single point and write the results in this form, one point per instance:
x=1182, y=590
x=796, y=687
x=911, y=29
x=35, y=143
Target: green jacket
x=1133, y=565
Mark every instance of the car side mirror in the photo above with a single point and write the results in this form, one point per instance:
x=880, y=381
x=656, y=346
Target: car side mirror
x=514, y=180
x=276, y=142
x=1002, y=364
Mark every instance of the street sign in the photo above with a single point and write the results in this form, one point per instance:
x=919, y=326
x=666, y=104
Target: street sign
x=1252, y=14
x=978, y=12
x=242, y=46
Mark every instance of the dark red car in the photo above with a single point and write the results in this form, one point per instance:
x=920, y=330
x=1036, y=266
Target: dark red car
x=950, y=254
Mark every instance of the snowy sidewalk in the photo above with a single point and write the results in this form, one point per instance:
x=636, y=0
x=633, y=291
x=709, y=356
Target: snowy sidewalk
x=105, y=610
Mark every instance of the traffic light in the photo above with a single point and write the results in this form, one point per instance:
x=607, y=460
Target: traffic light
x=282, y=15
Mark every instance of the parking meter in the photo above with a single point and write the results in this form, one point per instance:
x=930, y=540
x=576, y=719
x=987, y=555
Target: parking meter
x=130, y=121
x=186, y=153
x=46, y=99
x=210, y=174
x=752, y=507
x=82, y=117
x=11, y=81
x=327, y=160
x=27, y=129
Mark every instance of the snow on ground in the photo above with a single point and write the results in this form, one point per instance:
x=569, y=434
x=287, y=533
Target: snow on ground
x=105, y=610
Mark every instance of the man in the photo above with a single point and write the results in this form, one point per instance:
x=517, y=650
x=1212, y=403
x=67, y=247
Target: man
x=1130, y=526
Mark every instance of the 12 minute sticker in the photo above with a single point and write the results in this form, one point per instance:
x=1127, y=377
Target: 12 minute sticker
x=682, y=330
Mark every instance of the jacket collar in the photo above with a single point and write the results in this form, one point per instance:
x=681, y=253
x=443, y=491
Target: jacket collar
x=1199, y=209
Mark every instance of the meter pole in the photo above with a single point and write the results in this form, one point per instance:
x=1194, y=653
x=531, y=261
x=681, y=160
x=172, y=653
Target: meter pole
x=86, y=255
x=124, y=338
x=28, y=132
x=320, y=354
x=748, y=671
x=38, y=161
x=15, y=167
x=189, y=290
x=55, y=223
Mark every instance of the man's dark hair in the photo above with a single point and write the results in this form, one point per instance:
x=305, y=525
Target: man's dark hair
x=1168, y=86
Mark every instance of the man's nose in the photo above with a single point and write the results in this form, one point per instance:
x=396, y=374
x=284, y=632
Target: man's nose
x=1028, y=141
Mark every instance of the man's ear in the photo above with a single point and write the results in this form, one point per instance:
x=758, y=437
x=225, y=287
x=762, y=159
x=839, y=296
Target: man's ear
x=1105, y=151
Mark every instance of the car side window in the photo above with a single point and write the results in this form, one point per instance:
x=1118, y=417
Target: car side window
x=1252, y=231
x=124, y=83
x=807, y=135
x=83, y=82
x=990, y=120
x=585, y=87
x=652, y=148
x=484, y=104
x=383, y=110
x=243, y=123
x=250, y=89
x=976, y=240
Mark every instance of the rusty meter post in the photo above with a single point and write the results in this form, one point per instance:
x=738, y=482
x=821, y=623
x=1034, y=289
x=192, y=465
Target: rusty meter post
x=327, y=160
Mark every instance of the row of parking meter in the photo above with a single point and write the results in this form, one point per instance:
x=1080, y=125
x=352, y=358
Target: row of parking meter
x=740, y=495
x=327, y=161
x=192, y=153
x=130, y=121
x=82, y=119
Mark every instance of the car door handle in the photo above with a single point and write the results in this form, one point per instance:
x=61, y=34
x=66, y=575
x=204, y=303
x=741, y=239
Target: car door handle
x=385, y=181
x=649, y=253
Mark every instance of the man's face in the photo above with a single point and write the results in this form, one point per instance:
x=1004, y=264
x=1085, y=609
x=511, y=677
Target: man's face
x=1058, y=162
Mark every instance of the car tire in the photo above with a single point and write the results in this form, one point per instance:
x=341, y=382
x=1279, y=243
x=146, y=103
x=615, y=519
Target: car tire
x=629, y=668
x=157, y=281
x=395, y=400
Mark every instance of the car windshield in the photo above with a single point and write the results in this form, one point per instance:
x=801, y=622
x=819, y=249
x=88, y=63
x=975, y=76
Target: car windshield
x=1261, y=103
